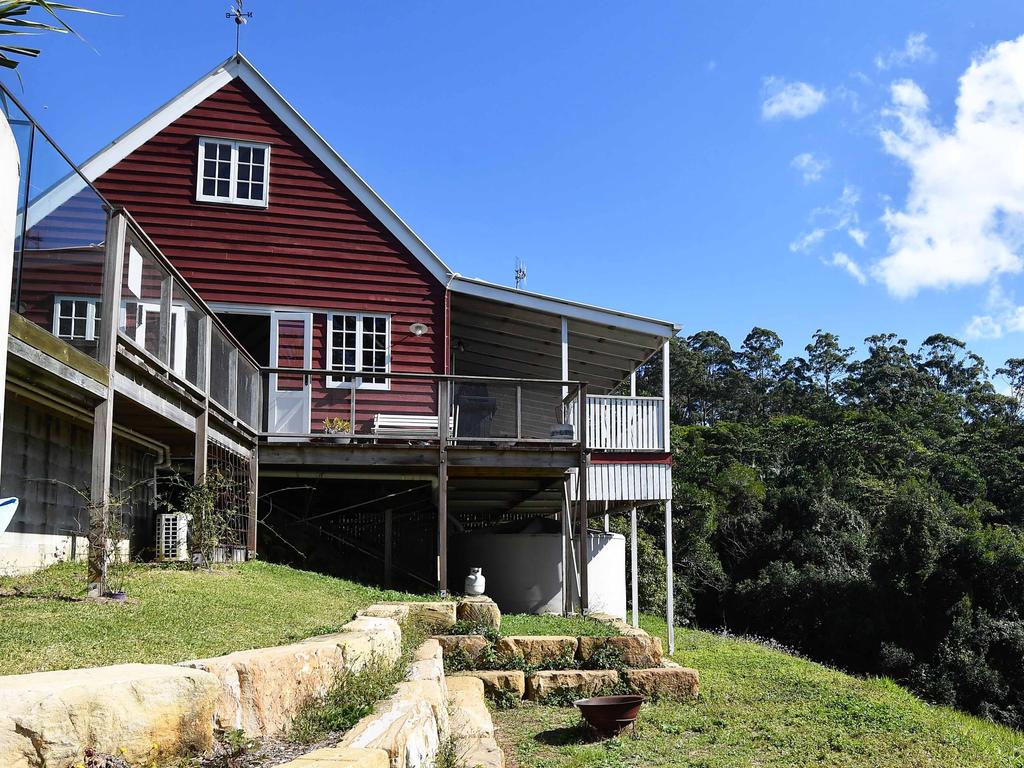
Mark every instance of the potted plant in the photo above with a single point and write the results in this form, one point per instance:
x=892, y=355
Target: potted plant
x=340, y=430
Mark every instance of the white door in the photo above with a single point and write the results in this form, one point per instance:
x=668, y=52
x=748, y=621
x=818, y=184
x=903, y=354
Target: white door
x=291, y=346
x=146, y=316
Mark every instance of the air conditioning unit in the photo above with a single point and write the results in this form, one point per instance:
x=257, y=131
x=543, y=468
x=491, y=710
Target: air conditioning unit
x=172, y=537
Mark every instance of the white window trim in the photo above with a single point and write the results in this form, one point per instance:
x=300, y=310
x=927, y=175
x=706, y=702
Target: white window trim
x=356, y=375
x=231, y=199
x=90, y=318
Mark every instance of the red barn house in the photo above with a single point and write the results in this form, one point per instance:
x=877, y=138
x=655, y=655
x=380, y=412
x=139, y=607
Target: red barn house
x=252, y=301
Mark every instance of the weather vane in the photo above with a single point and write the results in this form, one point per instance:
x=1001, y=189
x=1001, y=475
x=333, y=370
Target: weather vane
x=520, y=274
x=241, y=16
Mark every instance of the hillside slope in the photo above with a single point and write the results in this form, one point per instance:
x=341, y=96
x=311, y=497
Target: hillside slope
x=765, y=708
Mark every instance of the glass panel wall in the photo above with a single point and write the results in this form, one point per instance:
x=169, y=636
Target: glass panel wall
x=59, y=240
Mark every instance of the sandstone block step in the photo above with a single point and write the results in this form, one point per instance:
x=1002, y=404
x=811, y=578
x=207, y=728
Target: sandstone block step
x=439, y=614
x=470, y=716
x=49, y=718
x=482, y=752
x=479, y=610
x=405, y=728
x=635, y=651
x=497, y=683
x=538, y=649
x=665, y=682
x=470, y=645
x=341, y=757
x=581, y=682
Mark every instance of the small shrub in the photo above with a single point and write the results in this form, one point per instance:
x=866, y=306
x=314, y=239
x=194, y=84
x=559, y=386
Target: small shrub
x=561, y=697
x=457, y=660
x=505, y=699
x=347, y=701
x=605, y=657
x=353, y=695
x=448, y=755
x=464, y=627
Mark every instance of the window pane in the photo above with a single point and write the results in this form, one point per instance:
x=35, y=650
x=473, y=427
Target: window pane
x=209, y=168
x=222, y=189
x=258, y=155
x=243, y=190
x=209, y=186
x=257, y=173
x=257, y=191
x=243, y=172
x=244, y=154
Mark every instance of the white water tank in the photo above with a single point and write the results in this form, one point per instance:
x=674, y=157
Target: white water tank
x=523, y=565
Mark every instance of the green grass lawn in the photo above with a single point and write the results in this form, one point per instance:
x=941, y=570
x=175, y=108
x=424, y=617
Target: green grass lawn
x=758, y=707
x=172, y=614
x=766, y=709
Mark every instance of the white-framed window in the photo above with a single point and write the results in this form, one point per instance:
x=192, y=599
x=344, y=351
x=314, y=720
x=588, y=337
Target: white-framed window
x=235, y=172
x=76, y=318
x=359, y=343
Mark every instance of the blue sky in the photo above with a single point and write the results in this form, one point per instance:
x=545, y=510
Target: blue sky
x=722, y=165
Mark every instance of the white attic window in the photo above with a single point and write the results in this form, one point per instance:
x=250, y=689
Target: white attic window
x=236, y=172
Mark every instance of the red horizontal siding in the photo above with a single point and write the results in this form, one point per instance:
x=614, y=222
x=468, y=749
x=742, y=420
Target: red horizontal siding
x=314, y=246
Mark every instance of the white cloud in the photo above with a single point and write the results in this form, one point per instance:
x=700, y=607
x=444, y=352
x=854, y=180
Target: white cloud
x=963, y=220
x=983, y=327
x=841, y=260
x=1004, y=316
x=859, y=236
x=810, y=167
x=790, y=100
x=840, y=216
x=807, y=241
x=915, y=48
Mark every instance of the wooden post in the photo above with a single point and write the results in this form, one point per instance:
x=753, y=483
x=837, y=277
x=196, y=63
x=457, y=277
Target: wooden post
x=388, y=522
x=670, y=605
x=103, y=416
x=565, y=360
x=254, y=487
x=634, y=569
x=442, y=487
x=581, y=484
x=666, y=392
x=203, y=379
x=163, y=343
x=568, y=572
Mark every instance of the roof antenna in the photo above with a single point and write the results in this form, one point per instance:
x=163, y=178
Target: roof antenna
x=241, y=16
x=520, y=274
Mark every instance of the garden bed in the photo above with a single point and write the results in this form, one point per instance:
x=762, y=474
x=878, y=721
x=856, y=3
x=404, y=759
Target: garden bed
x=609, y=658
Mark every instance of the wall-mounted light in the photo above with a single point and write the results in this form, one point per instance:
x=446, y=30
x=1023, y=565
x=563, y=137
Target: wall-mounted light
x=418, y=329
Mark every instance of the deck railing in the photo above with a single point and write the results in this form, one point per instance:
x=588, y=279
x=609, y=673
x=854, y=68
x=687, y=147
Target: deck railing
x=162, y=318
x=334, y=406
x=63, y=256
x=623, y=423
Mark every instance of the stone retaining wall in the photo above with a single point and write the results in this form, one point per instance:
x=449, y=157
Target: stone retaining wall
x=426, y=712
x=146, y=711
x=646, y=671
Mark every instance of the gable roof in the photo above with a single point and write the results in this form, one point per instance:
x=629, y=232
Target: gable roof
x=237, y=66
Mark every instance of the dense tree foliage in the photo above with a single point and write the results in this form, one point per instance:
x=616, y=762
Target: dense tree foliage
x=868, y=512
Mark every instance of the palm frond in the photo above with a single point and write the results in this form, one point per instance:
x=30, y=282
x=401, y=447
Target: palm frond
x=13, y=23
